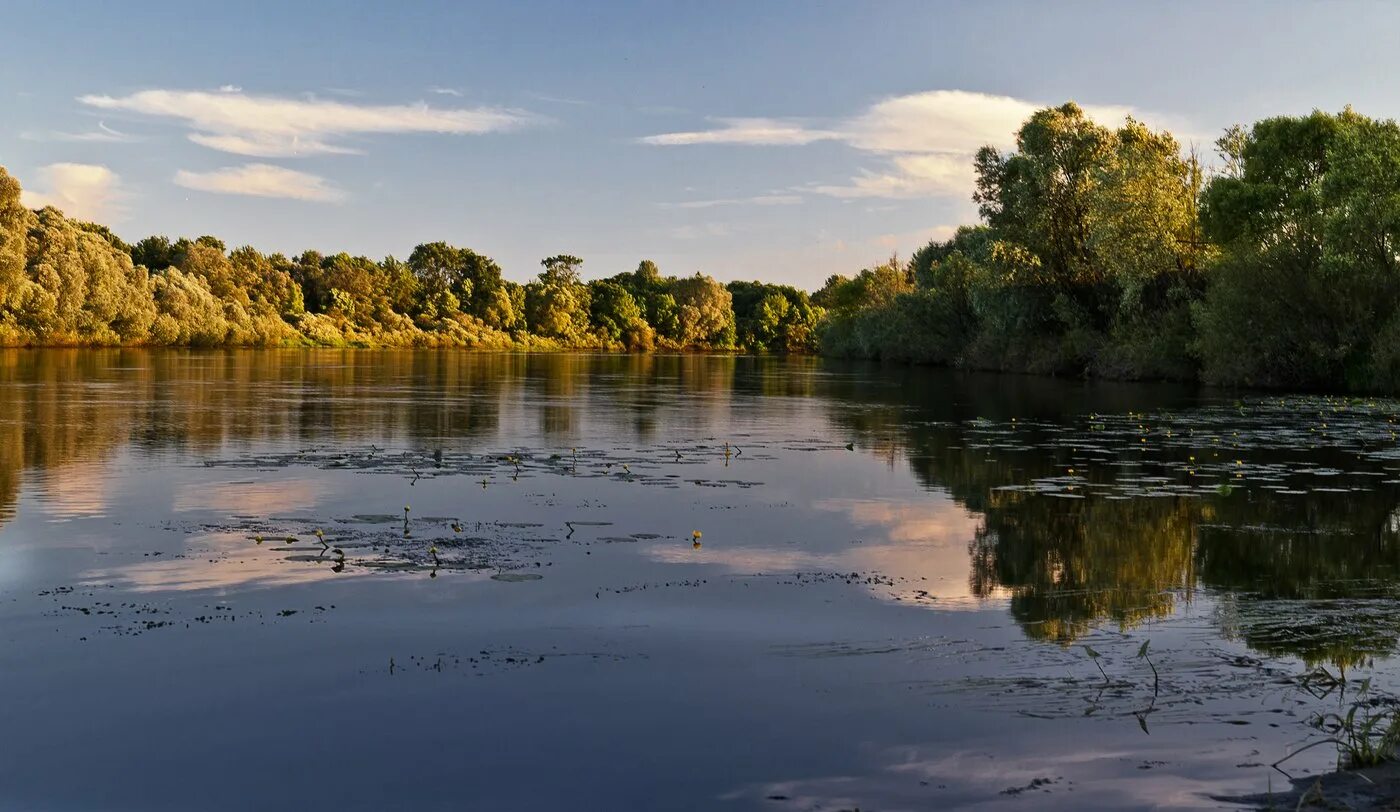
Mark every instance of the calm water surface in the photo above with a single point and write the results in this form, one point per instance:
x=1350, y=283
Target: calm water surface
x=889, y=606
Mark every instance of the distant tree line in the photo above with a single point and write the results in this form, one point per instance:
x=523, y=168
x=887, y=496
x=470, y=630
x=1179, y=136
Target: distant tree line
x=1101, y=252
x=69, y=283
x=1111, y=253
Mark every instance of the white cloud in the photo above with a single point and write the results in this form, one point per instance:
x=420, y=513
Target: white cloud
x=747, y=131
x=81, y=191
x=757, y=200
x=912, y=175
x=103, y=134
x=445, y=91
x=279, y=126
x=261, y=180
x=925, y=141
x=263, y=146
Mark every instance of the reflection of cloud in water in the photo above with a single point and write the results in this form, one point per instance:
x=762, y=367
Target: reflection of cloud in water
x=986, y=779
x=250, y=498
x=940, y=523
x=903, y=540
x=218, y=562
x=74, y=491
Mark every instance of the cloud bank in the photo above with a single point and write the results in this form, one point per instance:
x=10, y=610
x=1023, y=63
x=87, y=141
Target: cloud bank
x=924, y=141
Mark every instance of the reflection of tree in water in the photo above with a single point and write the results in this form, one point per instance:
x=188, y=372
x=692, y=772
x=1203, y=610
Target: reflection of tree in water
x=1069, y=564
x=1297, y=573
x=61, y=408
x=1066, y=563
x=1313, y=577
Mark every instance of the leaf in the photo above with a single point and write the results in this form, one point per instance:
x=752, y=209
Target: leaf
x=1142, y=651
x=1094, y=655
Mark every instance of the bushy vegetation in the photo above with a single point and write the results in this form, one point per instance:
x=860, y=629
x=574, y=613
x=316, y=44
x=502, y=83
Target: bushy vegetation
x=1111, y=253
x=69, y=283
x=1087, y=262
x=1100, y=252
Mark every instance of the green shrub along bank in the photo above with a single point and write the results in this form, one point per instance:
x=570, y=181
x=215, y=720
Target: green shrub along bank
x=68, y=283
x=1100, y=253
x=1110, y=253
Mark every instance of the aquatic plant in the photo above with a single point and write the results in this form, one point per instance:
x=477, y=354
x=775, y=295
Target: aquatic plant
x=1142, y=655
x=1094, y=658
x=1366, y=735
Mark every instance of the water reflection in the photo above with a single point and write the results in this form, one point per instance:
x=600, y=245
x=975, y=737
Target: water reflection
x=1298, y=566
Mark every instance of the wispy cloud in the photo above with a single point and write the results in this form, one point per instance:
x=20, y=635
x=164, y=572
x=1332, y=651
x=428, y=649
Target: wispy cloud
x=445, y=91
x=103, y=135
x=924, y=141
x=747, y=131
x=82, y=191
x=545, y=97
x=757, y=200
x=281, y=126
x=262, y=180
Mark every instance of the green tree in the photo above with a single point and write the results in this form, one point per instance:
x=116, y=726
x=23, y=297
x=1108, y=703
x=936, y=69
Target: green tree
x=705, y=312
x=1306, y=274
x=557, y=305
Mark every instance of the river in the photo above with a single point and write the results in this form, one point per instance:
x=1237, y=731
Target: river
x=375, y=580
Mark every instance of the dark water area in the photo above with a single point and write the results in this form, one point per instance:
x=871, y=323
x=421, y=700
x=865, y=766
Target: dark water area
x=445, y=580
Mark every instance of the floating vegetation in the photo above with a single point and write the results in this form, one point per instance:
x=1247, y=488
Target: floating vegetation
x=644, y=465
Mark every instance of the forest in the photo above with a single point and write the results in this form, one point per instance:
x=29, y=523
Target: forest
x=64, y=282
x=1101, y=252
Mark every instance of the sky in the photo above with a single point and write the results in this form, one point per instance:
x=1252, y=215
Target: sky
x=783, y=141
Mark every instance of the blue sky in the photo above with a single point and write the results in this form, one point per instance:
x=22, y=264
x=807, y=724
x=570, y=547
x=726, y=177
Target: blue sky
x=776, y=140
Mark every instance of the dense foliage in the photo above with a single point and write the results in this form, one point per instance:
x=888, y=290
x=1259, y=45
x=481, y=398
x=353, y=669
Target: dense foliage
x=1088, y=262
x=1110, y=253
x=1101, y=252
x=64, y=282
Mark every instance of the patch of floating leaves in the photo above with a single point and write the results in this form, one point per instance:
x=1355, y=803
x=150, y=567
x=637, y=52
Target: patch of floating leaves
x=388, y=543
x=660, y=465
x=1290, y=446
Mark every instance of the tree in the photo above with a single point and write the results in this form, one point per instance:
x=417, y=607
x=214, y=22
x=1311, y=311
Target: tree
x=561, y=269
x=1305, y=291
x=705, y=312
x=773, y=317
x=612, y=310
x=557, y=305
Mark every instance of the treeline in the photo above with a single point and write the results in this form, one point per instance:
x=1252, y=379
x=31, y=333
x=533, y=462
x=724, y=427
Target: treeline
x=1110, y=253
x=69, y=283
x=1101, y=252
